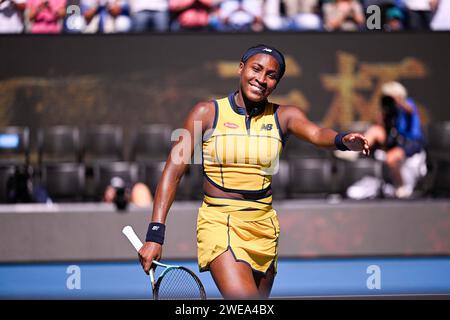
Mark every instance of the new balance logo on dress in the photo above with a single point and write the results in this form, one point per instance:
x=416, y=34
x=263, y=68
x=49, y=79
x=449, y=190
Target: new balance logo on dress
x=266, y=126
x=155, y=228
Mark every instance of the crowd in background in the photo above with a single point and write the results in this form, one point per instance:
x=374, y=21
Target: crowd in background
x=119, y=16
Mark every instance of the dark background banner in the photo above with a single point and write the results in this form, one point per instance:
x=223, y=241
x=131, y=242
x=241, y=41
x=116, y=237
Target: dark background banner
x=139, y=79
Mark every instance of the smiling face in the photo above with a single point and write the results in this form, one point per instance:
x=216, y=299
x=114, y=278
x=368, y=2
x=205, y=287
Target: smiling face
x=258, y=77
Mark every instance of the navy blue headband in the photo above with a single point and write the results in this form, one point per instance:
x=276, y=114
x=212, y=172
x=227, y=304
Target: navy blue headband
x=278, y=56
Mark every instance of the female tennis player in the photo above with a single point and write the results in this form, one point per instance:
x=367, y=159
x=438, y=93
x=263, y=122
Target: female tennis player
x=243, y=135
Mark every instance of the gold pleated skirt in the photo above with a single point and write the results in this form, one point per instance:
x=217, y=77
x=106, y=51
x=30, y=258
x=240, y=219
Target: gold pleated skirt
x=250, y=229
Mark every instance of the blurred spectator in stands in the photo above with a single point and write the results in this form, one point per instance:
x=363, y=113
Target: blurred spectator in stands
x=11, y=16
x=46, y=16
x=241, y=15
x=304, y=14
x=274, y=16
x=394, y=20
x=106, y=16
x=190, y=14
x=122, y=193
x=419, y=13
x=441, y=18
x=396, y=140
x=343, y=15
x=149, y=15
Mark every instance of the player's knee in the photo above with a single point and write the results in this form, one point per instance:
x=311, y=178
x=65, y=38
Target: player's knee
x=240, y=293
x=394, y=157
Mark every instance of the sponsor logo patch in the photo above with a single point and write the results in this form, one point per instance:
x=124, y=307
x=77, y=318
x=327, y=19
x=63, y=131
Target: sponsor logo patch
x=266, y=126
x=231, y=125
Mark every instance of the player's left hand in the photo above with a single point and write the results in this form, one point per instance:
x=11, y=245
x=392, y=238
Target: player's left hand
x=356, y=142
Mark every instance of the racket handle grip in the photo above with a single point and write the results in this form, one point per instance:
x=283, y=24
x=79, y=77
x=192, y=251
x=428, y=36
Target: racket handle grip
x=132, y=237
x=137, y=244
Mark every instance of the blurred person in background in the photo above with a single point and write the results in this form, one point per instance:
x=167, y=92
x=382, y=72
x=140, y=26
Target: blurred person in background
x=121, y=193
x=441, y=18
x=11, y=16
x=304, y=15
x=396, y=139
x=420, y=13
x=106, y=16
x=241, y=15
x=394, y=20
x=190, y=14
x=46, y=16
x=274, y=16
x=343, y=15
x=149, y=15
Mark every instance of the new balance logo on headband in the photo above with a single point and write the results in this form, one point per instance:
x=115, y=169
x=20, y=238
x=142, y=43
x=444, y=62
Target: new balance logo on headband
x=267, y=49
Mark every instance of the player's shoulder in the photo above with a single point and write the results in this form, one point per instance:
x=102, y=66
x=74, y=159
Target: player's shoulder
x=288, y=110
x=203, y=108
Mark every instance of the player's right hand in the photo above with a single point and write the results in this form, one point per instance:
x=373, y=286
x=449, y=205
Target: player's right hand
x=150, y=251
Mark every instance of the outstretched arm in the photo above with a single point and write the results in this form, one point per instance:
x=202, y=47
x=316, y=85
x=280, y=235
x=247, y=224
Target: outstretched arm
x=176, y=166
x=296, y=123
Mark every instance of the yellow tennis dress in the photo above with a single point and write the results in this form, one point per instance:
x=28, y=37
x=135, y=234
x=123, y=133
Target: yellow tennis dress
x=240, y=155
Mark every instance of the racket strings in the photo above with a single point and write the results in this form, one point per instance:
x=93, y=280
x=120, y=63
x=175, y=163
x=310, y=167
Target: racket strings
x=179, y=284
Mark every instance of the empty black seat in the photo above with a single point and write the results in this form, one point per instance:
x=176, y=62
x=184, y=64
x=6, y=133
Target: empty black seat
x=195, y=181
x=63, y=181
x=280, y=181
x=104, y=172
x=14, y=145
x=348, y=172
x=189, y=188
x=103, y=143
x=438, y=137
x=6, y=172
x=296, y=148
x=310, y=178
x=438, y=157
x=59, y=144
x=151, y=143
x=441, y=183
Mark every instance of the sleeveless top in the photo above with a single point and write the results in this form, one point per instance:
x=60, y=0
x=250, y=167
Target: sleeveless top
x=241, y=152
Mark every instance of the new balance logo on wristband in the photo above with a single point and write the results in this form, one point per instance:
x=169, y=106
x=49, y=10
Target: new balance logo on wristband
x=155, y=232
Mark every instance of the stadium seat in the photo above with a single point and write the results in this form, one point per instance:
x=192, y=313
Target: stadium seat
x=438, y=139
x=441, y=183
x=189, y=188
x=348, y=172
x=103, y=143
x=105, y=171
x=151, y=143
x=438, y=147
x=6, y=171
x=310, y=178
x=296, y=148
x=196, y=181
x=14, y=145
x=63, y=181
x=59, y=144
x=280, y=181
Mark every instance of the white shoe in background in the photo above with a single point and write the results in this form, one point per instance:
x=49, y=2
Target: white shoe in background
x=346, y=155
x=404, y=192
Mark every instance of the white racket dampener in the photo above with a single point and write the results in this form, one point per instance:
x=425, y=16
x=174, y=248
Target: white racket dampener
x=175, y=282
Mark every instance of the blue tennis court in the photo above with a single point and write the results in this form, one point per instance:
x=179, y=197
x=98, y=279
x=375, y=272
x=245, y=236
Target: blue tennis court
x=296, y=278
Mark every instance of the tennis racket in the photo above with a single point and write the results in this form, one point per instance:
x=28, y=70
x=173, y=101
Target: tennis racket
x=175, y=282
